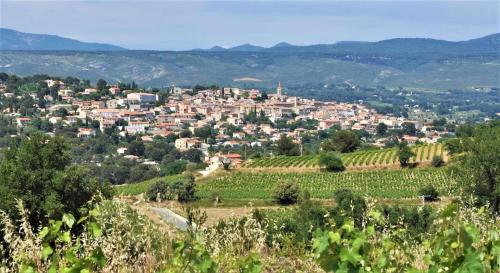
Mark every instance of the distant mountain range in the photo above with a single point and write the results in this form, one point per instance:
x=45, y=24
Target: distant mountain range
x=403, y=45
x=15, y=40
x=406, y=62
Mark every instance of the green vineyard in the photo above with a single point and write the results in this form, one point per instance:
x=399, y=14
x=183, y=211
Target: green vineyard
x=365, y=159
x=381, y=184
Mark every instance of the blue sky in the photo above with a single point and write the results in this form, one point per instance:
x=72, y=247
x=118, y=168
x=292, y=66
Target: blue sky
x=179, y=25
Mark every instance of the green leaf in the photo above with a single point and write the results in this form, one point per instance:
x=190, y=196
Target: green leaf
x=44, y=232
x=370, y=230
x=320, y=244
x=95, y=229
x=251, y=264
x=65, y=237
x=450, y=210
x=53, y=268
x=83, y=219
x=471, y=264
x=98, y=257
x=375, y=215
x=70, y=255
x=94, y=213
x=56, y=226
x=68, y=219
x=27, y=269
x=46, y=251
x=334, y=237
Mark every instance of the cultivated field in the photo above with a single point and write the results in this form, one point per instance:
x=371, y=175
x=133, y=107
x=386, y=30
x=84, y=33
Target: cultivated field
x=380, y=184
x=373, y=159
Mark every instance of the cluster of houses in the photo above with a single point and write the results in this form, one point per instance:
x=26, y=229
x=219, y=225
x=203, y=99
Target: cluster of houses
x=140, y=113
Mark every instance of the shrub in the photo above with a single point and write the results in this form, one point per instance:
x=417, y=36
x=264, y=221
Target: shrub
x=191, y=167
x=286, y=193
x=184, y=189
x=331, y=162
x=172, y=168
x=437, y=161
x=429, y=192
x=158, y=190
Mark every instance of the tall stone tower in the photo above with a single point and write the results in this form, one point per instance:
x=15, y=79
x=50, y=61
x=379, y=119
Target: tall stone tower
x=279, y=90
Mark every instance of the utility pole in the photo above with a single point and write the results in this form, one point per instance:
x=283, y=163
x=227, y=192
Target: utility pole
x=301, y=147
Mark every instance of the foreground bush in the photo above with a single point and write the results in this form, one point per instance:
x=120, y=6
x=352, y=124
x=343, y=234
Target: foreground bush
x=111, y=237
x=463, y=240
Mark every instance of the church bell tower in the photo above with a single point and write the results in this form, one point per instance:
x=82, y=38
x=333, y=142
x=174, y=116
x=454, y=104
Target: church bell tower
x=279, y=90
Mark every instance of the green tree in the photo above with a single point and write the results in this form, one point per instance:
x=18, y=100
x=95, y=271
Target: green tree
x=157, y=190
x=429, y=192
x=136, y=148
x=409, y=128
x=185, y=189
x=286, y=146
x=404, y=154
x=437, y=161
x=381, y=129
x=192, y=155
x=478, y=166
x=185, y=133
x=286, y=193
x=342, y=141
x=38, y=172
x=465, y=130
x=61, y=112
x=331, y=162
x=454, y=146
x=101, y=84
x=4, y=77
x=203, y=132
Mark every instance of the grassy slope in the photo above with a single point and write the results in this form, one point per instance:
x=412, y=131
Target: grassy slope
x=187, y=68
x=142, y=187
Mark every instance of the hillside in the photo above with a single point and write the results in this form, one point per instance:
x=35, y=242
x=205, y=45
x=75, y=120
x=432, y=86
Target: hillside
x=16, y=40
x=420, y=63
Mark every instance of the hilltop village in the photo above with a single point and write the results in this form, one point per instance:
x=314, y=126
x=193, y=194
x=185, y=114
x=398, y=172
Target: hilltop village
x=208, y=118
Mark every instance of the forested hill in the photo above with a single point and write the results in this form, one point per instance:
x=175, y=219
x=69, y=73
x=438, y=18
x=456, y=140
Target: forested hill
x=415, y=62
x=15, y=40
x=487, y=45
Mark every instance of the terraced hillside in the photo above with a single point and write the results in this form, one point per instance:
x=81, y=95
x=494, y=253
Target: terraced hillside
x=374, y=159
x=381, y=184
